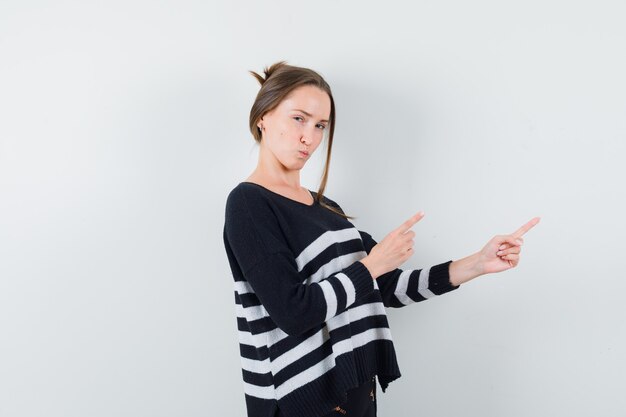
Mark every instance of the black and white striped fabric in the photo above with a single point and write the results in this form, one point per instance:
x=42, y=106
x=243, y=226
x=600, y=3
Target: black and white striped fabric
x=310, y=318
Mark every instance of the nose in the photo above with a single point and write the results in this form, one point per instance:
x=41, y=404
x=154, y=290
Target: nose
x=307, y=135
x=306, y=138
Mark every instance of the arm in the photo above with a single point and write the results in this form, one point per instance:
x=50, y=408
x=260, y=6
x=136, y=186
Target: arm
x=254, y=237
x=399, y=287
x=499, y=254
x=465, y=269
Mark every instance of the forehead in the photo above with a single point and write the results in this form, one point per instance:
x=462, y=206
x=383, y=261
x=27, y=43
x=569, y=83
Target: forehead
x=311, y=99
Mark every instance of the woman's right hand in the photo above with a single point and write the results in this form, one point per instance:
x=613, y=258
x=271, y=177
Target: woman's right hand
x=395, y=249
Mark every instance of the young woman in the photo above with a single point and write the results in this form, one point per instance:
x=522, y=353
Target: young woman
x=311, y=289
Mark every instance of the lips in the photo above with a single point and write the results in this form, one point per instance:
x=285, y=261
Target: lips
x=305, y=153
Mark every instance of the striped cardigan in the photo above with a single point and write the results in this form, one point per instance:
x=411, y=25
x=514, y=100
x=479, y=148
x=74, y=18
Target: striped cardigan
x=311, y=320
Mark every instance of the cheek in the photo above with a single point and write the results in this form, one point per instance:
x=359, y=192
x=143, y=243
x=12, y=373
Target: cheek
x=316, y=144
x=319, y=139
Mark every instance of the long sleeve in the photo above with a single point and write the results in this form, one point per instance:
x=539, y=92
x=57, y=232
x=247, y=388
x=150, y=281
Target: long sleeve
x=399, y=287
x=254, y=237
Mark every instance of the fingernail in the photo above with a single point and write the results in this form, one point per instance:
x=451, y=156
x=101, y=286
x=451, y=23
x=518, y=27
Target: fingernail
x=501, y=247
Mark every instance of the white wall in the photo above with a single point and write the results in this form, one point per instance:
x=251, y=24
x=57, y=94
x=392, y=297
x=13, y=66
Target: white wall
x=123, y=126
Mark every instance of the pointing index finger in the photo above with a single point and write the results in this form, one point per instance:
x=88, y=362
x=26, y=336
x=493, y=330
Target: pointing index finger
x=404, y=227
x=526, y=227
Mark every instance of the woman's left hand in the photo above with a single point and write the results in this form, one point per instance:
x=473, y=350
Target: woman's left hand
x=503, y=251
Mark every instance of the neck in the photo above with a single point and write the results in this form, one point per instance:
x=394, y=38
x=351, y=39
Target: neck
x=271, y=171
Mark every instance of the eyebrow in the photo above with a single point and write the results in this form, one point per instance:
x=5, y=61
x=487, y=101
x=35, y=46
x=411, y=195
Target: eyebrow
x=309, y=114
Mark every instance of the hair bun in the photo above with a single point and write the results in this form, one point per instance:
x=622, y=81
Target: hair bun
x=268, y=71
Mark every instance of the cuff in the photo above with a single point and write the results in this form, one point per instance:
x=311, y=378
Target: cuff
x=439, y=279
x=361, y=279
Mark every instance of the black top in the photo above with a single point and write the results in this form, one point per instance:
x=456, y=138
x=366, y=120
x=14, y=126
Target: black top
x=311, y=319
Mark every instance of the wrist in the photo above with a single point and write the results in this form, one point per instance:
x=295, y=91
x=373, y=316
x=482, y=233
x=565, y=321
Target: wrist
x=465, y=269
x=367, y=262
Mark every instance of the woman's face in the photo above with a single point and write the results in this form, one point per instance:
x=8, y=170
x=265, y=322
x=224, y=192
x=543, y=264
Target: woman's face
x=297, y=124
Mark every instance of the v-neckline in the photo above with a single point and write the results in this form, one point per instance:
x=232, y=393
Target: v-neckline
x=283, y=196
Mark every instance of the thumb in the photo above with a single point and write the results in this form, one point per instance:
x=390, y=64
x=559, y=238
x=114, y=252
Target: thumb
x=512, y=240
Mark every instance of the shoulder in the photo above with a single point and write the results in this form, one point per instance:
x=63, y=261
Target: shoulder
x=243, y=195
x=246, y=202
x=331, y=202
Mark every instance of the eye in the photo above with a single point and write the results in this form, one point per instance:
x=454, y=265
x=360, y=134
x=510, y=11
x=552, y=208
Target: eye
x=298, y=117
x=321, y=126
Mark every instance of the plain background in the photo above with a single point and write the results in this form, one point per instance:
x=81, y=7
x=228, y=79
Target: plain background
x=123, y=126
